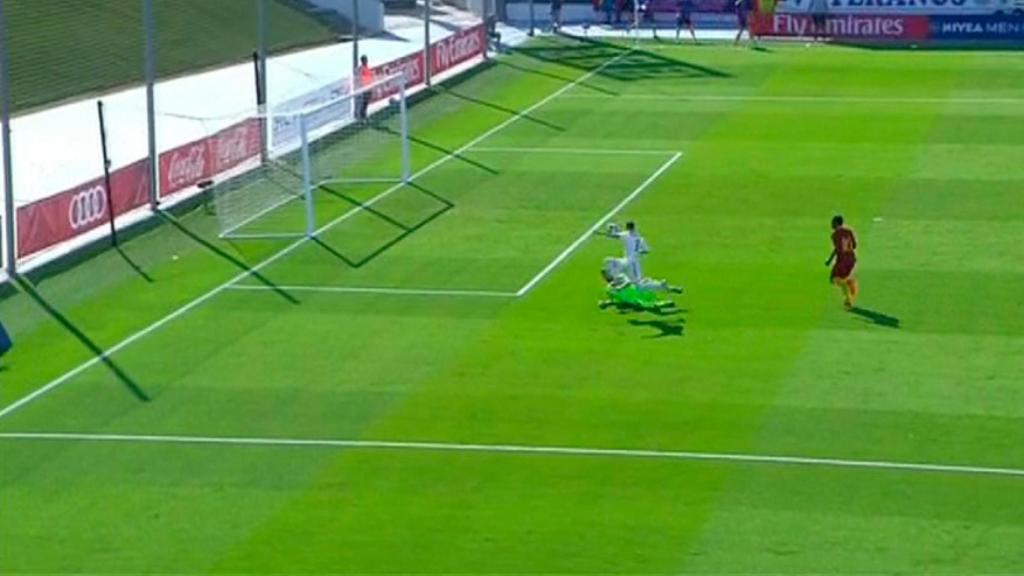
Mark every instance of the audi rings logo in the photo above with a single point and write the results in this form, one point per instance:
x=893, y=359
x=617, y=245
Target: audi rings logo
x=87, y=206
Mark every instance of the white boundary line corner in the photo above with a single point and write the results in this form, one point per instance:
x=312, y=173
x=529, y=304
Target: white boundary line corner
x=590, y=231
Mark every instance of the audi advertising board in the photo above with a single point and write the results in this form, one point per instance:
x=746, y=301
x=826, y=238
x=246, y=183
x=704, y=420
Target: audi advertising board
x=72, y=213
x=188, y=165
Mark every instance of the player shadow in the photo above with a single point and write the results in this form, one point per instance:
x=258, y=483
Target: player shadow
x=667, y=328
x=590, y=55
x=406, y=230
x=560, y=78
x=504, y=110
x=84, y=339
x=876, y=317
x=226, y=256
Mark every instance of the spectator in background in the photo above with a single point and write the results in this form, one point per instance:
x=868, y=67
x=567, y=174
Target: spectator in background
x=365, y=81
x=609, y=7
x=556, y=15
x=819, y=19
x=622, y=6
x=684, y=17
x=743, y=9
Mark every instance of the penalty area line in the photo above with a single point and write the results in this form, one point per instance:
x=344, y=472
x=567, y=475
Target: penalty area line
x=376, y=290
x=522, y=449
x=590, y=231
x=796, y=99
x=576, y=151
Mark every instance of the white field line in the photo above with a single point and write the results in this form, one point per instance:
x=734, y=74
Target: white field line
x=17, y=404
x=577, y=151
x=372, y=290
x=590, y=232
x=803, y=99
x=648, y=454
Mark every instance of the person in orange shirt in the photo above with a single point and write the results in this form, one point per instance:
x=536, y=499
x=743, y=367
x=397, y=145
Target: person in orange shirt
x=365, y=81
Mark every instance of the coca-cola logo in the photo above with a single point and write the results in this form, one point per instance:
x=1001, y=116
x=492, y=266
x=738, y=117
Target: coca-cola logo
x=233, y=146
x=87, y=206
x=188, y=167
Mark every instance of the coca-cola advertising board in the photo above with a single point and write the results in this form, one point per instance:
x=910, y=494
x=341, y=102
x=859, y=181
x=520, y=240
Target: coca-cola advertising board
x=74, y=212
x=188, y=165
x=868, y=27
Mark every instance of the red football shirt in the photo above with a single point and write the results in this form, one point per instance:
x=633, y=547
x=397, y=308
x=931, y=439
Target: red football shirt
x=845, y=244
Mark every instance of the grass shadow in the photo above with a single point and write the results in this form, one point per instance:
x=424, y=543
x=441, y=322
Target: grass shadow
x=590, y=54
x=877, y=318
x=226, y=256
x=406, y=231
x=667, y=328
x=564, y=79
x=84, y=339
x=134, y=266
x=441, y=149
x=509, y=111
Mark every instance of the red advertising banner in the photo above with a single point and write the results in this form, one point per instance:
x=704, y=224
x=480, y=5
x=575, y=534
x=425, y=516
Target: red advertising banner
x=188, y=165
x=445, y=54
x=458, y=48
x=412, y=65
x=69, y=214
x=847, y=26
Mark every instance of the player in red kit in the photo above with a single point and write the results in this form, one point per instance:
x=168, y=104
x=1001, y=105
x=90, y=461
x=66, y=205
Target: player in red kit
x=844, y=252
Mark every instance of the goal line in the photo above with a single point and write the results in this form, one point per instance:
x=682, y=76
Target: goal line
x=520, y=449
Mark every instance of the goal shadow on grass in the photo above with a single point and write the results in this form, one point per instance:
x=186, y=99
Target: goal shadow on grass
x=406, y=230
x=228, y=257
x=437, y=148
x=129, y=383
x=590, y=55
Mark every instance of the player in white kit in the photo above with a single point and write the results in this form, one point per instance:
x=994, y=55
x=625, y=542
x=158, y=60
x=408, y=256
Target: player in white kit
x=634, y=247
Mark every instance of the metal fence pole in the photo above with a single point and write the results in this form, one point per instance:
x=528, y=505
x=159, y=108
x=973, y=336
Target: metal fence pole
x=261, y=49
x=149, y=28
x=428, y=64
x=533, y=20
x=355, y=38
x=5, y=111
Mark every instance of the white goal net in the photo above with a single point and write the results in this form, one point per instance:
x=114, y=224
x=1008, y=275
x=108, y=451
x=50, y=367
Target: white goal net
x=333, y=138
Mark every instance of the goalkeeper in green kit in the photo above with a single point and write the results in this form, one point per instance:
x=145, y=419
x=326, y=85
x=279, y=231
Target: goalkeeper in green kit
x=623, y=292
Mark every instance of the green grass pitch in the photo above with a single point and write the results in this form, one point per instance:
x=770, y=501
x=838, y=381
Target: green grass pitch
x=923, y=152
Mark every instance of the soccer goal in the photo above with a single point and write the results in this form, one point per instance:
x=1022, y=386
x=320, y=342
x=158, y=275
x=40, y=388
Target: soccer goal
x=333, y=138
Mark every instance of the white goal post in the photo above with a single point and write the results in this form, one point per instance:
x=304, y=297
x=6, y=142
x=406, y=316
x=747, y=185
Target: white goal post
x=334, y=137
